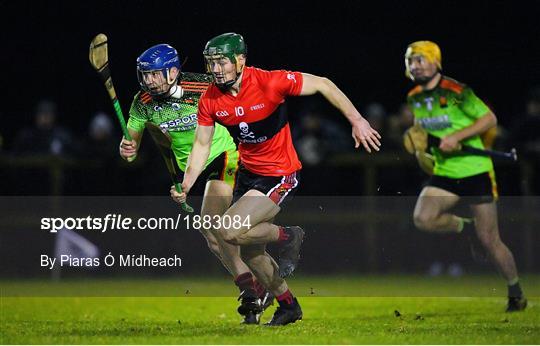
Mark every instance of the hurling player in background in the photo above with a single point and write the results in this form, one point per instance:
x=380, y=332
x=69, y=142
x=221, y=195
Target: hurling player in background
x=169, y=98
x=451, y=112
x=247, y=100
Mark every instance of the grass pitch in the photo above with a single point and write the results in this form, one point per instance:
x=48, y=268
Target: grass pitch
x=337, y=310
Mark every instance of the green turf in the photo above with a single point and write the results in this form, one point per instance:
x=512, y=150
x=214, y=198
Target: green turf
x=337, y=320
x=354, y=285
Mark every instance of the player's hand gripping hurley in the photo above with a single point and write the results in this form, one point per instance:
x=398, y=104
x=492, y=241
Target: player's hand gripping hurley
x=163, y=141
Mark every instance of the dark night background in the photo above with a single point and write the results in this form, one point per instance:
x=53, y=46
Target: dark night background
x=490, y=45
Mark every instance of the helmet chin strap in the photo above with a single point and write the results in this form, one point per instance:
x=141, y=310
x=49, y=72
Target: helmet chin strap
x=174, y=89
x=226, y=86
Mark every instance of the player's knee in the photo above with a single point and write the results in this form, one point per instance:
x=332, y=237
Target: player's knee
x=423, y=221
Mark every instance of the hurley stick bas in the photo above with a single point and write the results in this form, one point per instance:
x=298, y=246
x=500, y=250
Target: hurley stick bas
x=163, y=142
x=417, y=138
x=502, y=155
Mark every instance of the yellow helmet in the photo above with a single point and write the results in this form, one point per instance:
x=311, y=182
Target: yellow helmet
x=429, y=50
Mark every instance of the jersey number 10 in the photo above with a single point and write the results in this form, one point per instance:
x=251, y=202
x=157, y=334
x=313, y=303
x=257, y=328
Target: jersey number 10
x=239, y=111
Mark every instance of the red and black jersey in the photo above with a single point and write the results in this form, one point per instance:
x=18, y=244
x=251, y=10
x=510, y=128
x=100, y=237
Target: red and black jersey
x=254, y=118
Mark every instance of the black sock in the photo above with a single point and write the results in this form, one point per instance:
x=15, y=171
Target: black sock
x=514, y=291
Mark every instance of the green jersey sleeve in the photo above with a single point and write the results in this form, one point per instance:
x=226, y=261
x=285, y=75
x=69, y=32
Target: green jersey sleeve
x=471, y=104
x=137, y=116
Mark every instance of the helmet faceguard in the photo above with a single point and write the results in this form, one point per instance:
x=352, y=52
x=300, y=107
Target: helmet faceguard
x=162, y=58
x=229, y=45
x=427, y=49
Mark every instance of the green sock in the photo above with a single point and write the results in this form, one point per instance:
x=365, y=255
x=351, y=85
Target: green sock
x=461, y=224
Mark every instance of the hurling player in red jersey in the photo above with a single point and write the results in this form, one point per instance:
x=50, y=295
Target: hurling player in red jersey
x=247, y=101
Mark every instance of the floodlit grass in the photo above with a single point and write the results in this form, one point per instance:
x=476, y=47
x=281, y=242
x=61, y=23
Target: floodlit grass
x=432, y=314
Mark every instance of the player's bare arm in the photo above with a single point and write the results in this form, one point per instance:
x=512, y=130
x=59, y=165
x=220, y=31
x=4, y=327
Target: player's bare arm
x=362, y=132
x=451, y=142
x=128, y=149
x=198, y=156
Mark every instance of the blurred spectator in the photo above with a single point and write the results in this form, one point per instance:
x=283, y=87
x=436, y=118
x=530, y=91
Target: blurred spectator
x=100, y=148
x=45, y=137
x=525, y=136
x=397, y=125
x=375, y=114
x=101, y=142
x=318, y=137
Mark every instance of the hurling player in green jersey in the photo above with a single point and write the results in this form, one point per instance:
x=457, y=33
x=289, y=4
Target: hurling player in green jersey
x=451, y=112
x=169, y=98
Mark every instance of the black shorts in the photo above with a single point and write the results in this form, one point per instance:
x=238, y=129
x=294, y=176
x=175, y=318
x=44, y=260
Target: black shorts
x=279, y=189
x=476, y=189
x=224, y=168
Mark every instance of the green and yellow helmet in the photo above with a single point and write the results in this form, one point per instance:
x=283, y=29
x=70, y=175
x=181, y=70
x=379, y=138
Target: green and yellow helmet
x=429, y=50
x=228, y=45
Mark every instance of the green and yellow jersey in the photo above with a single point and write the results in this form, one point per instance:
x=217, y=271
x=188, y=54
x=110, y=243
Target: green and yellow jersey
x=179, y=117
x=450, y=107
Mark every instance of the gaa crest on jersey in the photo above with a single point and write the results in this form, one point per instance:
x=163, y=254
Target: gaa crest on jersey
x=220, y=114
x=429, y=103
x=443, y=102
